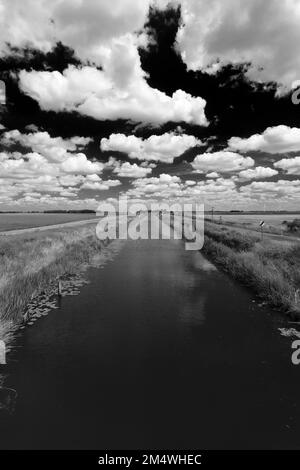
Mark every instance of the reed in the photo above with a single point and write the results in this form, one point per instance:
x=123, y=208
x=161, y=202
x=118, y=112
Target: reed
x=269, y=267
x=31, y=262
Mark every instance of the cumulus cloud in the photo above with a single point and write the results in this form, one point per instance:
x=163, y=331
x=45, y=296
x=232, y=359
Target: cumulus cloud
x=221, y=161
x=87, y=26
x=276, y=139
x=290, y=165
x=80, y=164
x=261, y=32
x=162, y=148
x=281, y=188
x=260, y=172
x=171, y=188
x=30, y=165
x=98, y=184
x=162, y=186
x=101, y=34
x=127, y=170
x=118, y=91
x=220, y=192
x=167, y=187
x=59, y=92
x=53, y=148
x=213, y=32
x=70, y=180
x=34, y=168
x=53, y=176
x=212, y=175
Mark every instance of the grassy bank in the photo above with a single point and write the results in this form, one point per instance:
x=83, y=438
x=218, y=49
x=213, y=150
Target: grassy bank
x=31, y=262
x=253, y=225
x=269, y=267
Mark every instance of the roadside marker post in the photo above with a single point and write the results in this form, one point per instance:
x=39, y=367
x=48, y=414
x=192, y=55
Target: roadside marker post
x=261, y=224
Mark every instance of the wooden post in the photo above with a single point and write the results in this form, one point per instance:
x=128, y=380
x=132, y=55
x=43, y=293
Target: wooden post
x=59, y=289
x=2, y=352
x=261, y=224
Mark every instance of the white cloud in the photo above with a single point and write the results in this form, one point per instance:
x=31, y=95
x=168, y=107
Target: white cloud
x=80, y=164
x=99, y=185
x=80, y=142
x=221, y=161
x=87, y=26
x=99, y=33
x=53, y=148
x=127, y=170
x=259, y=172
x=70, y=180
x=120, y=142
x=119, y=91
x=172, y=188
x=51, y=202
x=277, y=139
x=57, y=172
x=163, y=180
x=265, y=33
x=163, y=186
x=162, y=148
x=17, y=166
x=93, y=178
x=212, y=31
x=279, y=188
x=148, y=165
x=51, y=155
x=290, y=165
x=222, y=193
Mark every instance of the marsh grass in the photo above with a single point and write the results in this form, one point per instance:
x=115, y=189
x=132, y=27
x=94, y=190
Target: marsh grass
x=29, y=263
x=270, y=268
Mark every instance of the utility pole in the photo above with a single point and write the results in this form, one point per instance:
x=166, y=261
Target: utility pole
x=212, y=213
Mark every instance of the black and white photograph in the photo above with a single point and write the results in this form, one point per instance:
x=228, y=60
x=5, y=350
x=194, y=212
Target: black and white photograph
x=149, y=231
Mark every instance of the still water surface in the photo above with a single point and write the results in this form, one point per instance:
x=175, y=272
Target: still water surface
x=160, y=350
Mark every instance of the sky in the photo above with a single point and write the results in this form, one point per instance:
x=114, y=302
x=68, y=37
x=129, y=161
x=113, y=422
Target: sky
x=181, y=101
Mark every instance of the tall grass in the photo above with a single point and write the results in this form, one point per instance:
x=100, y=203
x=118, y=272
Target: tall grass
x=30, y=263
x=233, y=239
x=270, y=268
